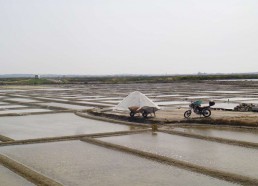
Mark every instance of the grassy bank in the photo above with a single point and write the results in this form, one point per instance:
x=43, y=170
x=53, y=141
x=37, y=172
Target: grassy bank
x=157, y=79
x=30, y=81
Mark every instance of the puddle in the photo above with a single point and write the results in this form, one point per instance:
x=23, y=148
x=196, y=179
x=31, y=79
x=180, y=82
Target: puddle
x=234, y=159
x=23, y=111
x=9, y=178
x=227, y=134
x=53, y=125
x=80, y=163
x=66, y=106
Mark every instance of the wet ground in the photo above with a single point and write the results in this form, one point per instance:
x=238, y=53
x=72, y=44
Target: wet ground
x=41, y=127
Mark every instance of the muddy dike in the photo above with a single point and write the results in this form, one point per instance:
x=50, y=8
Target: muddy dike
x=159, y=120
x=229, y=122
x=5, y=139
x=114, y=116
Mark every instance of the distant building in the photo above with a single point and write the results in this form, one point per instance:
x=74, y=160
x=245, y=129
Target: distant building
x=37, y=76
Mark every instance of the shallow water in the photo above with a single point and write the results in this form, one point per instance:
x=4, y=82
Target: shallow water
x=251, y=101
x=20, y=111
x=108, y=98
x=53, y=125
x=25, y=100
x=3, y=103
x=168, y=95
x=11, y=90
x=100, y=98
x=234, y=159
x=112, y=101
x=225, y=105
x=198, y=97
x=11, y=106
x=9, y=178
x=66, y=106
x=172, y=102
x=227, y=134
x=225, y=92
x=94, y=103
x=80, y=163
x=236, y=99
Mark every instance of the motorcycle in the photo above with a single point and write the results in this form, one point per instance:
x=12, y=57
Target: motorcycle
x=198, y=109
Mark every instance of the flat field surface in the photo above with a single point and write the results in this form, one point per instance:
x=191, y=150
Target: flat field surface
x=80, y=163
x=205, y=153
x=34, y=112
x=220, y=133
x=54, y=125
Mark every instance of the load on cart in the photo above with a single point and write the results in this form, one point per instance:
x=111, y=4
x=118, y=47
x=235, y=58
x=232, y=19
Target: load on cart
x=136, y=102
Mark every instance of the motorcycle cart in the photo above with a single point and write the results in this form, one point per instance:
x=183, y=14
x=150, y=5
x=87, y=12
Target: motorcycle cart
x=145, y=111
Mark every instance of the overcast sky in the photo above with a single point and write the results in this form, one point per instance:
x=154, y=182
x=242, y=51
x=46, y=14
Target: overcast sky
x=128, y=36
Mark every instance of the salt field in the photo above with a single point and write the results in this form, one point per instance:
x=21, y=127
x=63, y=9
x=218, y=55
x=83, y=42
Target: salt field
x=22, y=111
x=66, y=106
x=42, y=128
x=64, y=124
x=128, y=93
x=208, y=154
x=240, y=135
x=86, y=164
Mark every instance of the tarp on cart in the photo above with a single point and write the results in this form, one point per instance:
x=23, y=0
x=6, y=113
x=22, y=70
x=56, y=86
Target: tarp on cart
x=136, y=99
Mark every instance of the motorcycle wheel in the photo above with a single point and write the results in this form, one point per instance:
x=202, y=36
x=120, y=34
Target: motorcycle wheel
x=145, y=114
x=132, y=114
x=206, y=112
x=187, y=113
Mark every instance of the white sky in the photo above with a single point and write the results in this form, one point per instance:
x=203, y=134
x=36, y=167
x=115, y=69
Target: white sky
x=94, y=37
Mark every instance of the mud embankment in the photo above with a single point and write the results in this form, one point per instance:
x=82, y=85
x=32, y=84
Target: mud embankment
x=230, y=121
